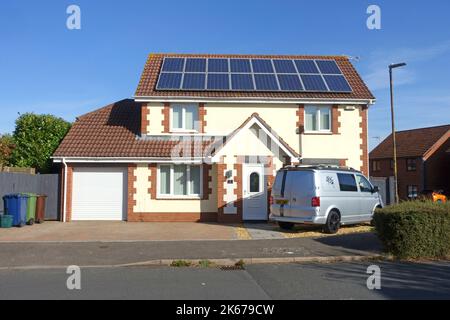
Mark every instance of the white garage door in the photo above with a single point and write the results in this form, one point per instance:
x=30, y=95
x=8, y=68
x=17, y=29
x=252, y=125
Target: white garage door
x=99, y=194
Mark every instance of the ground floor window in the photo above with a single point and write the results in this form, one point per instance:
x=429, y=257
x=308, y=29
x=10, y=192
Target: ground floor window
x=413, y=192
x=179, y=180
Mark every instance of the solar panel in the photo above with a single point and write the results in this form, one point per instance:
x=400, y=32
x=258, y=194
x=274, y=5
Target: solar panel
x=313, y=82
x=173, y=64
x=306, y=66
x=218, y=81
x=337, y=83
x=240, y=74
x=240, y=65
x=169, y=81
x=284, y=66
x=195, y=65
x=242, y=82
x=266, y=82
x=218, y=65
x=290, y=82
x=262, y=66
x=194, y=81
x=328, y=67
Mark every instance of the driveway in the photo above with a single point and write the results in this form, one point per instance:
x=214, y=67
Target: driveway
x=106, y=231
x=118, y=231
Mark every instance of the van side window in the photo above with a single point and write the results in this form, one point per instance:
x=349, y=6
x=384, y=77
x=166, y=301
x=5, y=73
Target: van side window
x=363, y=184
x=347, y=182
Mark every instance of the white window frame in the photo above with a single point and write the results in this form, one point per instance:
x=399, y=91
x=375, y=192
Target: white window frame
x=183, y=118
x=318, y=110
x=171, y=187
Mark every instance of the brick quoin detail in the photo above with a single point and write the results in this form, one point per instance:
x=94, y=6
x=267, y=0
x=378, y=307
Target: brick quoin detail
x=238, y=191
x=201, y=117
x=166, y=118
x=335, y=114
x=301, y=118
x=131, y=191
x=145, y=122
x=152, y=178
x=364, y=144
x=268, y=169
x=207, y=179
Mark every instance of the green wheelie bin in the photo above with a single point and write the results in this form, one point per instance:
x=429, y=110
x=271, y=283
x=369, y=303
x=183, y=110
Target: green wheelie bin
x=31, y=208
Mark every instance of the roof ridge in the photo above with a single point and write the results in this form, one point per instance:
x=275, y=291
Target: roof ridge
x=189, y=54
x=424, y=128
x=104, y=107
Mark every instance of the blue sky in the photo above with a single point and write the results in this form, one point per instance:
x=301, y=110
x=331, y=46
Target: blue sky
x=46, y=68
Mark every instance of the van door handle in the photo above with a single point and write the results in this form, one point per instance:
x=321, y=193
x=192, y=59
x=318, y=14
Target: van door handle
x=294, y=199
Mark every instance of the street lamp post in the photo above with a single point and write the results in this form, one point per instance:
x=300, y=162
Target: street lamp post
x=391, y=67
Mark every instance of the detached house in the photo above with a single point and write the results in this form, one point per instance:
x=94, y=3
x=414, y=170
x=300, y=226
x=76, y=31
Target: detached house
x=423, y=159
x=205, y=134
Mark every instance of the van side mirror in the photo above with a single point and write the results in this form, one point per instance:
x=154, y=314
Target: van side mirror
x=375, y=189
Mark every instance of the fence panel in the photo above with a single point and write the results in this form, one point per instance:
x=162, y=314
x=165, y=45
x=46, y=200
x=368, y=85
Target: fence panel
x=47, y=184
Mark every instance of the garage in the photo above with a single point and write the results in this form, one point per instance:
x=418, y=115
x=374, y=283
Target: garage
x=99, y=194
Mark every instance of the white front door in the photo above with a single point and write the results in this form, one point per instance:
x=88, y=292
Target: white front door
x=99, y=194
x=254, y=192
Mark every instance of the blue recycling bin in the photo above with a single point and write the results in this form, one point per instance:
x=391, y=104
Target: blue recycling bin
x=16, y=206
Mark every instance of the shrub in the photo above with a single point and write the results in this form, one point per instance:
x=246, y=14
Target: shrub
x=36, y=138
x=415, y=229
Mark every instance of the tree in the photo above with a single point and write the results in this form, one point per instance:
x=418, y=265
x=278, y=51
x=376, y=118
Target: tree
x=36, y=138
x=6, y=148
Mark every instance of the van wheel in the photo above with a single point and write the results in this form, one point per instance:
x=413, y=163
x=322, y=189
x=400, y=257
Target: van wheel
x=333, y=223
x=286, y=225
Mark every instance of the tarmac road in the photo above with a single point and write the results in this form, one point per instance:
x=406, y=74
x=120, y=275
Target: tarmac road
x=274, y=281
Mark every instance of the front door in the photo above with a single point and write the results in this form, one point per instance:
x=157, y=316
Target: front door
x=254, y=192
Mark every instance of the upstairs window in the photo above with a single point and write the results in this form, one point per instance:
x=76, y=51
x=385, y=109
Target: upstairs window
x=411, y=164
x=184, y=117
x=376, y=165
x=318, y=119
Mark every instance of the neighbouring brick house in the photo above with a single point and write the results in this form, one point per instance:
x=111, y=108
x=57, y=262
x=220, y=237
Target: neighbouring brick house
x=205, y=134
x=423, y=160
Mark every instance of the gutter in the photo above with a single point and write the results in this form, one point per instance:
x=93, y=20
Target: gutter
x=187, y=99
x=65, y=160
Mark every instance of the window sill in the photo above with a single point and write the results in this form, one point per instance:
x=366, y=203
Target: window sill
x=178, y=198
x=324, y=133
x=184, y=131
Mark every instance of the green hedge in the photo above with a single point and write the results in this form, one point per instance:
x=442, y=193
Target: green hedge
x=415, y=229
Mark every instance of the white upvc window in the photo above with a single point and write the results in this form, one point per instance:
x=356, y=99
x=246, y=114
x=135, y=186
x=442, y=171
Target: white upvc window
x=318, y=119
x=184, y=117
x=179, y=181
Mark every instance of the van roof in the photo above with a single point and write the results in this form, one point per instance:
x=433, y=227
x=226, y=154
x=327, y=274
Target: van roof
x=320, y=167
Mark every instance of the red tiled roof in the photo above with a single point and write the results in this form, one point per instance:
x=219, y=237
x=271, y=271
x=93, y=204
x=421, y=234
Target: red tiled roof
x=113, y=131
x=410, y=143
x=149, y=78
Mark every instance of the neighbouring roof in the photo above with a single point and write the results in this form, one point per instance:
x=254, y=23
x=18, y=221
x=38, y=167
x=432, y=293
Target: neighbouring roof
x=149, y=78
x=410, y=143
x=114, y=132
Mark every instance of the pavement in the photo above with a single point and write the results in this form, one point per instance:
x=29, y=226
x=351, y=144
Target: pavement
x=105, y=231
x=54, y=254
x=342, y=281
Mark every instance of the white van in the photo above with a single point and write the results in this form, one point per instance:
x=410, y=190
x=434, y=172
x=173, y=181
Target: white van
x=323, y=195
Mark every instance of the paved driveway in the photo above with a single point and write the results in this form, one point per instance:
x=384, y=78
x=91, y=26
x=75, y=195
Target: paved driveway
x=118, y=231
x=160, y=231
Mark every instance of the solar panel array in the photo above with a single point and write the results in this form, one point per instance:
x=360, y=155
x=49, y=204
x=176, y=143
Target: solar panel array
x=223, y=74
